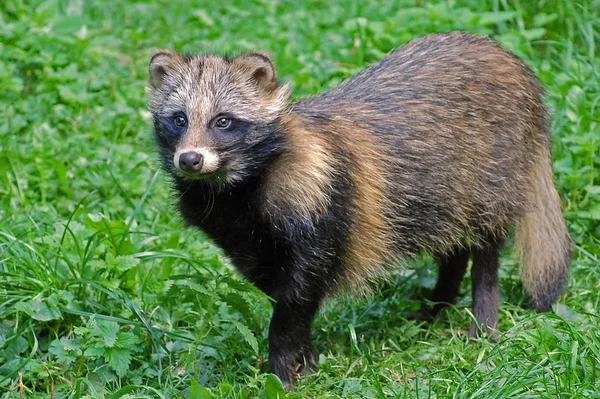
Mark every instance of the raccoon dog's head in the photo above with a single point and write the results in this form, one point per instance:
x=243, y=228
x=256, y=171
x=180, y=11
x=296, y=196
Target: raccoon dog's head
x=215, y=117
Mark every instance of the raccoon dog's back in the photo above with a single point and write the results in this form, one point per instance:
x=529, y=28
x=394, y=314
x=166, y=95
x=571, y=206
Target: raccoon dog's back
x=459, y=122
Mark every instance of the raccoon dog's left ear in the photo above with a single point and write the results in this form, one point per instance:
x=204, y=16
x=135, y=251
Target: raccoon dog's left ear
x=260, y=67
x=160, y=64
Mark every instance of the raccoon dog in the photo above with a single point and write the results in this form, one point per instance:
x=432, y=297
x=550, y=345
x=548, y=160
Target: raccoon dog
x=441, y=147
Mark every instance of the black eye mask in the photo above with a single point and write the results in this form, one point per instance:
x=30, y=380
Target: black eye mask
x=173, y=126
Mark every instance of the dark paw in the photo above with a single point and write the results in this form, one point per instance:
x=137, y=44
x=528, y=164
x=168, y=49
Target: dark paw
x=540, y=306
x=289, y=366
x=422, y=314
x=308, y=362
x=477, y=331
x=428, y=312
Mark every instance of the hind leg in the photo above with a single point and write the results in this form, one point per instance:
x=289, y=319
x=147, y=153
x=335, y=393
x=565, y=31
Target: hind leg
x=484, y=275
x=452, y=268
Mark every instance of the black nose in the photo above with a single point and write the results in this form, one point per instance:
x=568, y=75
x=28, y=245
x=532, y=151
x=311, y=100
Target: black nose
x=191, y=161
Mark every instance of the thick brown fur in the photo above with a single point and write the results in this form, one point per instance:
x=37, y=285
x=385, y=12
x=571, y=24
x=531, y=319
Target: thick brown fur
x=441, y=147
x=297, y=182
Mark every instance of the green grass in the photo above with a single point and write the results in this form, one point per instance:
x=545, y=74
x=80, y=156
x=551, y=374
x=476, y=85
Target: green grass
x=103, y=293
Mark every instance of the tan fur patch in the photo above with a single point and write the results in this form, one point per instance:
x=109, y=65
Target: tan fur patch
x=299, y=179
x=369, y=241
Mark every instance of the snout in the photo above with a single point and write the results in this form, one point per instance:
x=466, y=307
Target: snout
x=196, y=162
x=191, y=162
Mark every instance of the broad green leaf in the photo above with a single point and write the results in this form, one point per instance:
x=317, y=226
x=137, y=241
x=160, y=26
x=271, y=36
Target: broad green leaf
x=247, y=334
x=122, y=263
x=40, y=308
x=127, y=340
x=197, y=391
x=239, y=303
x=107, y=331
x=66, y=350
x=96, y=350
x=225, y=388
x=114, y=232
x=199, y=288
x=16, y=347
x=244, y=286
x=273, y=388
x=118, y=359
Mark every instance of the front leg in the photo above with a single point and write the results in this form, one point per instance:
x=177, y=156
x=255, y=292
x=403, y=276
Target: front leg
x=306, y=266
x=291, y=351
x=298, y=281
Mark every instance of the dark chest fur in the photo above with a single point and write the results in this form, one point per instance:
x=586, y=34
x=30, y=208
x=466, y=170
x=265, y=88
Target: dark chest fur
x=277, y=256
x=233, y=220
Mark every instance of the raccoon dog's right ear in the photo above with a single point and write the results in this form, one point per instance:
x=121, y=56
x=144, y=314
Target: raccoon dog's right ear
x=161, y=62
x=260, y=67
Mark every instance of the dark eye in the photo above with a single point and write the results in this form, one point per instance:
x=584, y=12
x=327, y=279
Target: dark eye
x=223, y=122
x=179, y=121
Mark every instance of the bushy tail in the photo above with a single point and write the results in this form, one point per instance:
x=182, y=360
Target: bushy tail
x=542, y=239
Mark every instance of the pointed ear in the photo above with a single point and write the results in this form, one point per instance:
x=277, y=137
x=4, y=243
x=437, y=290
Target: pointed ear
x=260, y=68
x=160, y=64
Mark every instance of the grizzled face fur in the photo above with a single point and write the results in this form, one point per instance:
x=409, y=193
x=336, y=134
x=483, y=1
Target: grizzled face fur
x=215, y=118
